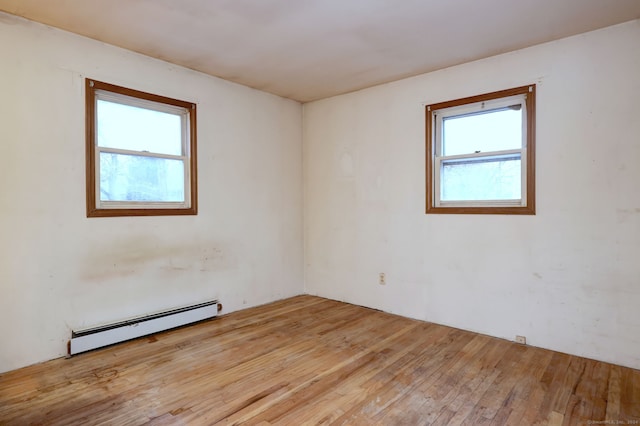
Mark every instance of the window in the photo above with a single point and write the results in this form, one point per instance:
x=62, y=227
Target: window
x=141, y=153
x=481, y=154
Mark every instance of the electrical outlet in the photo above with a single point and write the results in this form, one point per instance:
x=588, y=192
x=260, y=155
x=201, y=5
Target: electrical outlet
x=521, y=339
x=382, y=279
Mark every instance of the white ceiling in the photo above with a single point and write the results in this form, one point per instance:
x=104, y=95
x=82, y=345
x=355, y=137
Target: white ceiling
x=312, y=49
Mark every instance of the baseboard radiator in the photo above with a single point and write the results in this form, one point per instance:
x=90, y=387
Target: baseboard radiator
x=105, y=335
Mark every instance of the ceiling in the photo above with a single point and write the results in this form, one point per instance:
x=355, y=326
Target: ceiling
x=312, y=49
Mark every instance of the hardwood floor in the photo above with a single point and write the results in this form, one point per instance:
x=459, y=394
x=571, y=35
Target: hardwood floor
x=308, y=360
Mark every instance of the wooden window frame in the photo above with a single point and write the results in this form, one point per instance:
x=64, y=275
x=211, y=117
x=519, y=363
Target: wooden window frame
x=529, y=208
x=93, y=209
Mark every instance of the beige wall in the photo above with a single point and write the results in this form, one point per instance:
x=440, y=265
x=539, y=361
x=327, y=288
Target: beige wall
x=60, y=270
x=568, y=278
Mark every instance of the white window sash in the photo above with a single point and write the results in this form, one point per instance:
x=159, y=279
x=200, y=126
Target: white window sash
x=118, y=98
x=185, y=149
x=438, y=158
x=480, y=156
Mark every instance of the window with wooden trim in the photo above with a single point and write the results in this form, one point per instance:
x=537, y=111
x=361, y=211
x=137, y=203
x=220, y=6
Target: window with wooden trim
x=141, y=153
x=481, y=154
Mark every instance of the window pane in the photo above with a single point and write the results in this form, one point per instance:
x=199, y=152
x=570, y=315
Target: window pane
x=496, y=178
x=494, y=130
x=138, y=178
x=138, y=129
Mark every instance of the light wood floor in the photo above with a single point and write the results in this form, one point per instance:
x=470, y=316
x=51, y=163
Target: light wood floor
x=308, y=360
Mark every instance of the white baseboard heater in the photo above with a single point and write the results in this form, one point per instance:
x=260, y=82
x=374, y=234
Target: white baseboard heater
x=105, y=335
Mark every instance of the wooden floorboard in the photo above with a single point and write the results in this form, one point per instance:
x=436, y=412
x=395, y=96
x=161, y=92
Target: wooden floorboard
x=308, y=360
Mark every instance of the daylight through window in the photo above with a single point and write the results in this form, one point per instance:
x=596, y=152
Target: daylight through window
x=140, y=153
x=481, y=154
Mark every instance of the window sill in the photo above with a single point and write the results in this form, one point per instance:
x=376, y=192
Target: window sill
x=528, y=210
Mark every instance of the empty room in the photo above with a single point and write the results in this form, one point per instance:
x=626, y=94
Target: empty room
x=300, y=212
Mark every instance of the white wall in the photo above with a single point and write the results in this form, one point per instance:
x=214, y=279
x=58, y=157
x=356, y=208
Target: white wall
x=567, y=278
x=60, y=270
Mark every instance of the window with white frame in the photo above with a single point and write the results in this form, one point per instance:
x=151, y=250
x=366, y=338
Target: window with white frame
x=481, y=154
x=141, y=153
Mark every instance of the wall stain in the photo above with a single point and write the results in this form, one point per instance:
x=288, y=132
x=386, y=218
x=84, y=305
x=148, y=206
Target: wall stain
x=139, y=254
x=623, y=215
